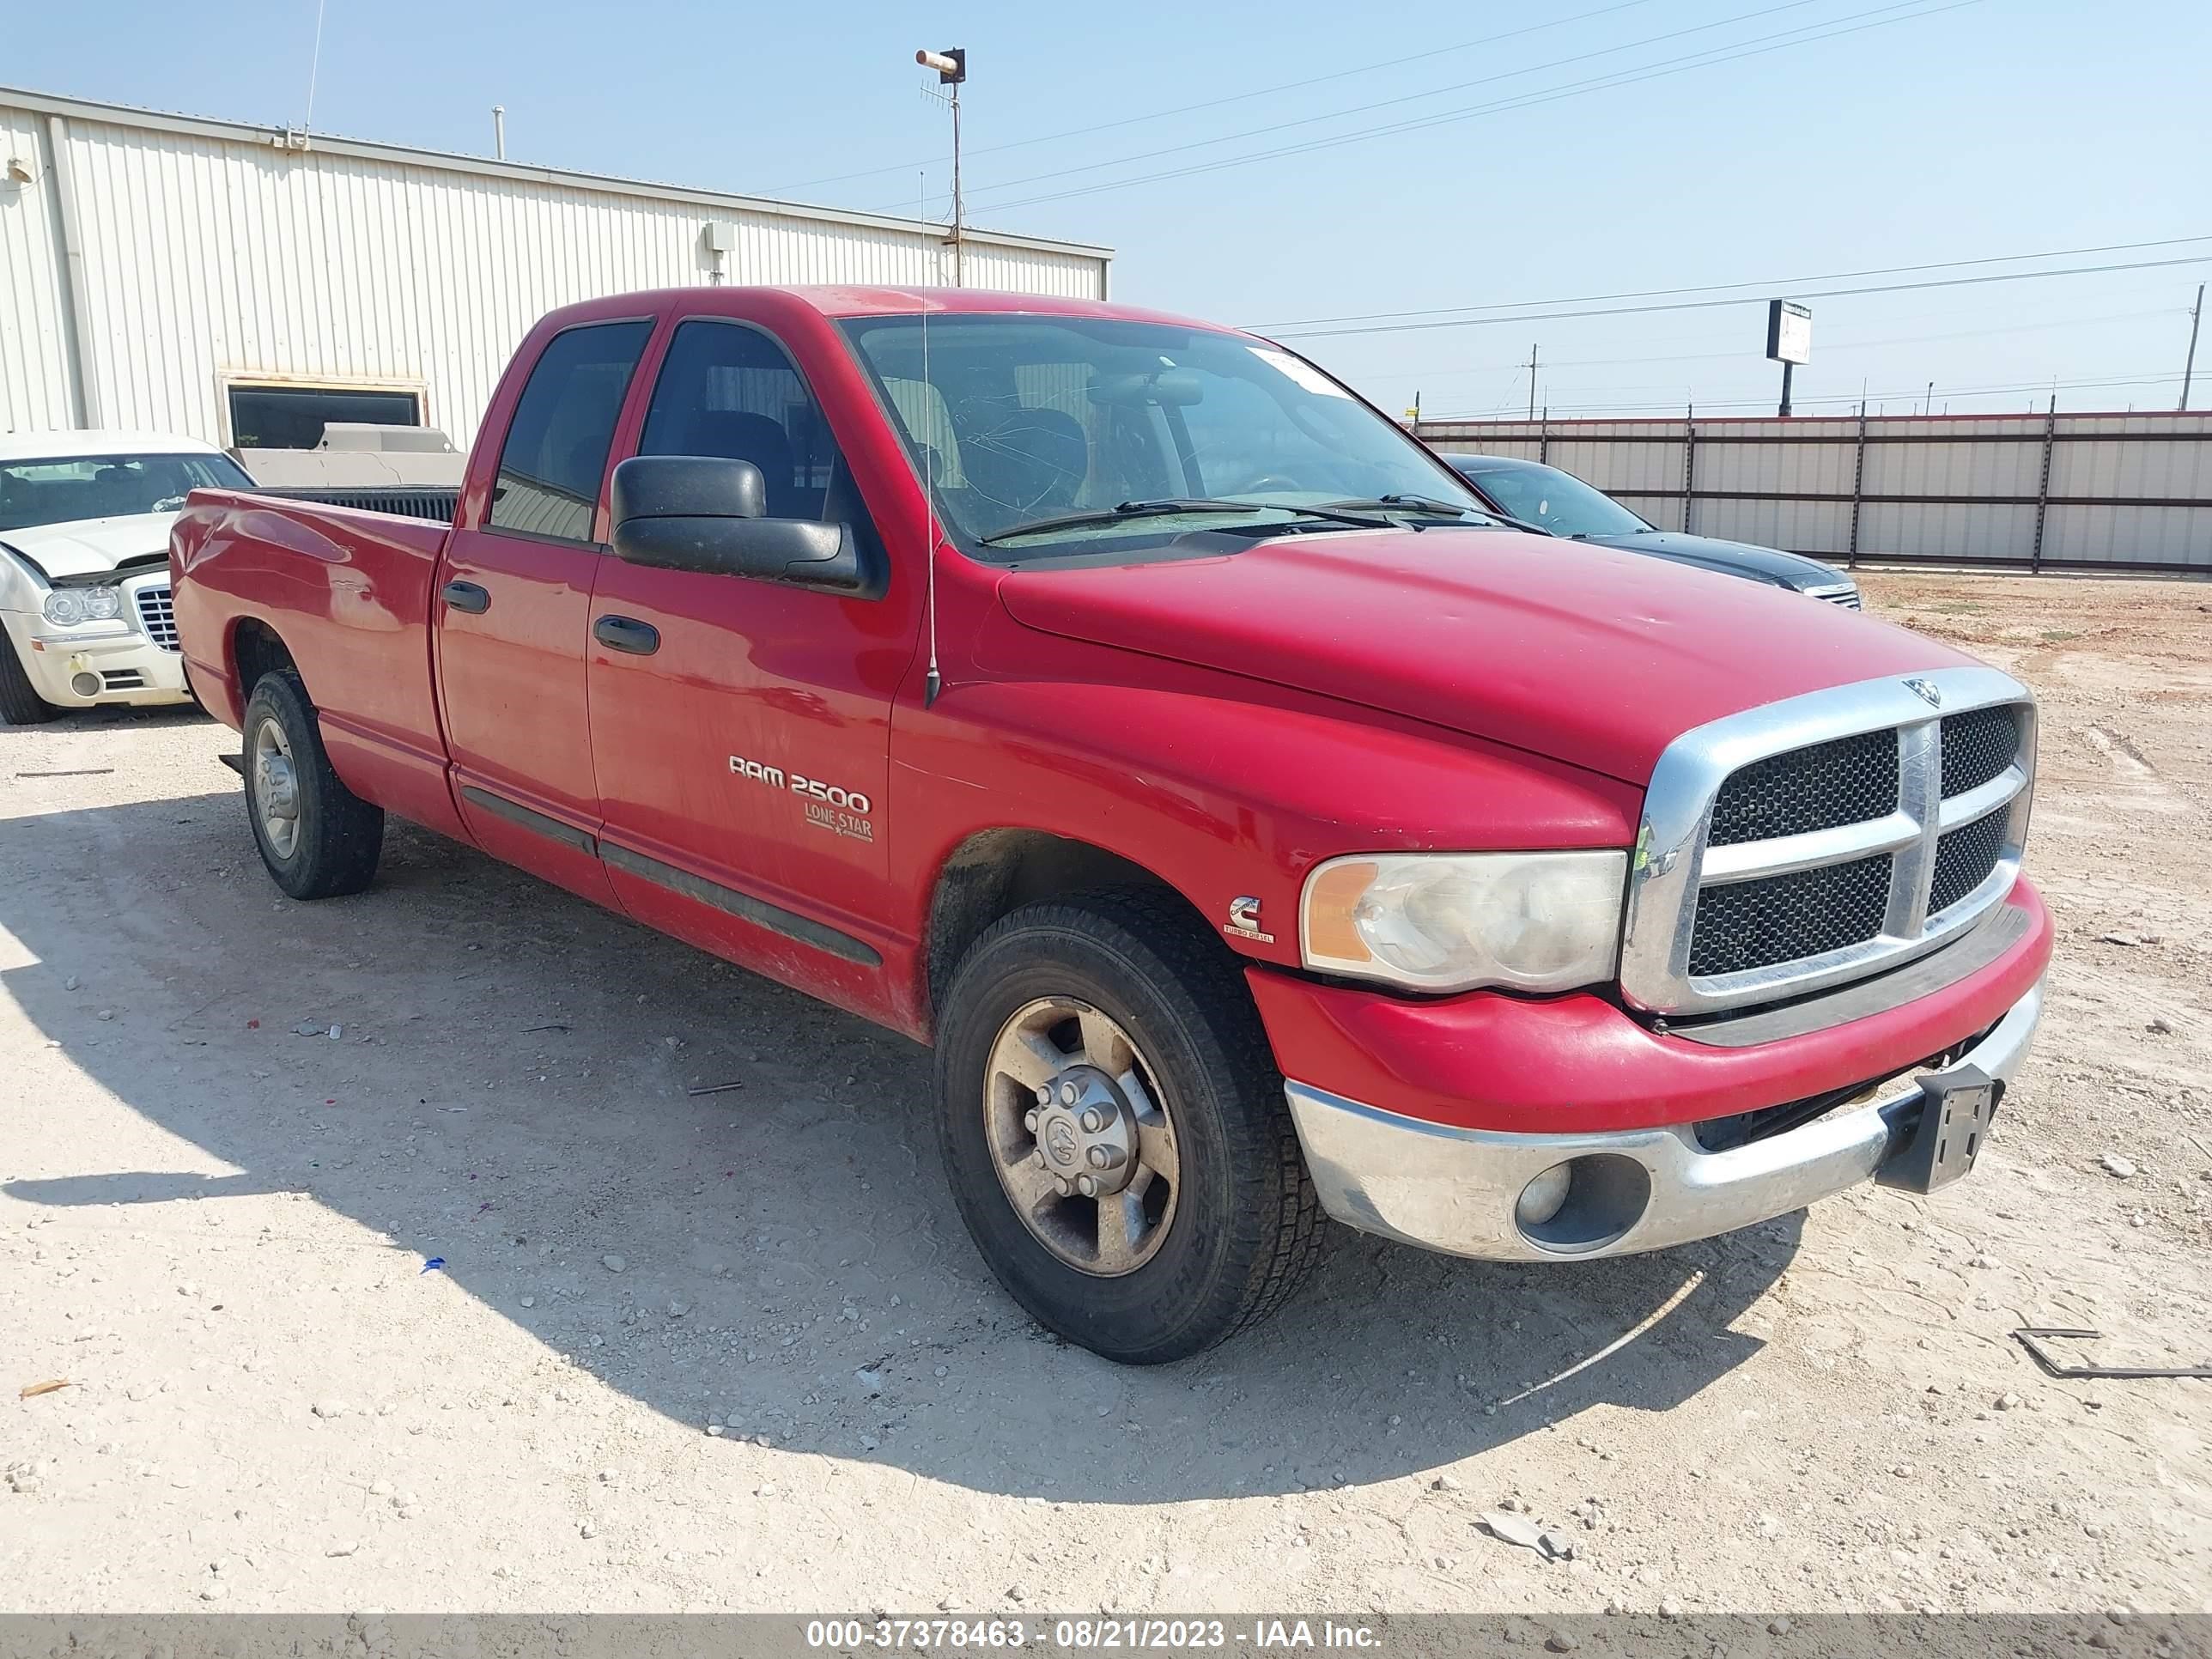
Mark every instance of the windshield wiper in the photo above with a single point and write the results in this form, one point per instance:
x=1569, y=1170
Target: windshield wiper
x=1531, y=526
x=1171, y=507
x=1427, y=506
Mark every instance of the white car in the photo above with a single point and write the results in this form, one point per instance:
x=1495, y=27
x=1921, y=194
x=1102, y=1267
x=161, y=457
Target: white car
x=84, y=566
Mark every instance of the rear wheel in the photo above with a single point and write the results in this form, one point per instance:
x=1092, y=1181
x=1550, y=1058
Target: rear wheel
x=19, y=704
x=1114, y=1130
x=316, y=838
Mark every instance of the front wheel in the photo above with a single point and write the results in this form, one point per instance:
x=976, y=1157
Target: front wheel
x=1114, y=1130
x=316, y=838
x=20, y=701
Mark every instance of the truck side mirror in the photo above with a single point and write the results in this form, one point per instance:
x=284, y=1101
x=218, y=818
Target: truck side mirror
x=708, y=514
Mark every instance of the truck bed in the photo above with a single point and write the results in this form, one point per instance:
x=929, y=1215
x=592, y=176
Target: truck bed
x=344, y=591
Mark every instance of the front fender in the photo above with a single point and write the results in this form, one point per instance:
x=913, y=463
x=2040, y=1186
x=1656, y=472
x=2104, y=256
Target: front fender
x=22, y=585
x=1222, y=788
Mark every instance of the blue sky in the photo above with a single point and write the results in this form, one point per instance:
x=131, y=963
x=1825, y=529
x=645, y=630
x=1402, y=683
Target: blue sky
x=1869, y=136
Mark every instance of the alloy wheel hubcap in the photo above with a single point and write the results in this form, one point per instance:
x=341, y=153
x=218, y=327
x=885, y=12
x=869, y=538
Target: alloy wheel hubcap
x=275, y=788
x=1082, y=1147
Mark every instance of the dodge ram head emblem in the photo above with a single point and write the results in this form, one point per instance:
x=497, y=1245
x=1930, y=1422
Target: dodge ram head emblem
x=1927, y=691
x=1060, y=1140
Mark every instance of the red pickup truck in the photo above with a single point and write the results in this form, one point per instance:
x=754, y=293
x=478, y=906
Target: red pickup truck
x=1123, y=706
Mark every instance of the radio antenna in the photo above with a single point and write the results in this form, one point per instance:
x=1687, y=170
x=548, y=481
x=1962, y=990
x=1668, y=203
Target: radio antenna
x=935, y=682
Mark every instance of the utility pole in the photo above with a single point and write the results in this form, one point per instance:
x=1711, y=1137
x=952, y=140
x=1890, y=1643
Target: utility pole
x=1532, y=382
x=2189, y=368
x=951, y=67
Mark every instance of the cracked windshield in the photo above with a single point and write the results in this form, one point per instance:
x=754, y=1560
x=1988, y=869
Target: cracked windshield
x=1072, y=435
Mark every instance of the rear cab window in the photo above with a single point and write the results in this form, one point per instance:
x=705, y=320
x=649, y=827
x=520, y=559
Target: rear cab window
x=554, y=456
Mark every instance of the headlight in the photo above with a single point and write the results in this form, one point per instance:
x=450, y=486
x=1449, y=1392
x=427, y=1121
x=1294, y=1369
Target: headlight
x=1438, y=921
x=66, y=607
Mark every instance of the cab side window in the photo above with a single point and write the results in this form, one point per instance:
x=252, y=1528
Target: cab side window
x=728, y=390
x=555, y=452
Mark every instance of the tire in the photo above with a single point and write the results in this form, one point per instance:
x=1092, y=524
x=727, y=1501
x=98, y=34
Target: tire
x=19, y=704
x=1240, y=1224
x=334, y=836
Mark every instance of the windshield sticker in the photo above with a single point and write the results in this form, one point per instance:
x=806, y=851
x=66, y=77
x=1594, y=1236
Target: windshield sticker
x=1301, y=372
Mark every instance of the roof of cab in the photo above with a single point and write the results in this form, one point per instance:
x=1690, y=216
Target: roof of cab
x=61, y=446
x=842, y=302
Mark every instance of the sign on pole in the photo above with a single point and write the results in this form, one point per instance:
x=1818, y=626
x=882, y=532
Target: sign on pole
x=1788, y=340
x=1788, y=332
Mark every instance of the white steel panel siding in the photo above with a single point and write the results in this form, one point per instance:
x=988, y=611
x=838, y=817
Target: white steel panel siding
x=215, y=253
x=35, y=321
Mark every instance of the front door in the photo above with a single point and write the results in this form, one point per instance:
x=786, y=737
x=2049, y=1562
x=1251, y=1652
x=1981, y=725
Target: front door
x=514, y=613
x=742, y=727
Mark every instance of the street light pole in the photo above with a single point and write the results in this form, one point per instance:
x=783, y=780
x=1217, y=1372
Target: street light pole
x=951, y=67
x=2189, y=368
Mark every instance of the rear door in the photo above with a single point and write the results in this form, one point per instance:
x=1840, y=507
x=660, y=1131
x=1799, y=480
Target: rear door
x=513, y=609
x=742, y=727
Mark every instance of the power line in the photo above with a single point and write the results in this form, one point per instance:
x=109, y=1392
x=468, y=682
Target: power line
x=1744, y=300
x=1235, y=97
x=1665, y=67
x=1412, y=97
x=1433, y=371
x=1853, y=397
x=1777, y=284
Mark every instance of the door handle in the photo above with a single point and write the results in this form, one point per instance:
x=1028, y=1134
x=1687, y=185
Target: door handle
x=627, y=634
x=465, y=596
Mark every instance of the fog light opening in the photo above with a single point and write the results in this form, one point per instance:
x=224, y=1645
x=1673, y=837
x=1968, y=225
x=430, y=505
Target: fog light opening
x=1542, y=1199
x=85, y=685
x=1584, y=1204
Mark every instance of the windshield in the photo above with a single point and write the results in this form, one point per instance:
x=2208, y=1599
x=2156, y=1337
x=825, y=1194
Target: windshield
x=1552, y=500
x=1027, y=425
x=63, y=489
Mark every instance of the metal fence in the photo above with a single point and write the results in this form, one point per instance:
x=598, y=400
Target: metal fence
x=2040, y=492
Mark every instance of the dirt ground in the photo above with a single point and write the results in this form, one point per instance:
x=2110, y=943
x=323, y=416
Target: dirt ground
x=734, y=1351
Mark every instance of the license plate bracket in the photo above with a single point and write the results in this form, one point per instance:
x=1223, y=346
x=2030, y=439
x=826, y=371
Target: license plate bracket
x=1956, y=1108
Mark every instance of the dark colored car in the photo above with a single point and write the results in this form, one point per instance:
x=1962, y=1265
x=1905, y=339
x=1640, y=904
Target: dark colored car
x=1544, y=498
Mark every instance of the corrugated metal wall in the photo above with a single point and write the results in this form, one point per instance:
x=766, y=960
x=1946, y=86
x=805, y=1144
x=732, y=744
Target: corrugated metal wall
x=34, y=379
x=2063, y=491
x=212, y=254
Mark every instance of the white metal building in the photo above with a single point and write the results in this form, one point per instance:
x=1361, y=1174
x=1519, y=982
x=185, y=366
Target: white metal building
x=243, y=284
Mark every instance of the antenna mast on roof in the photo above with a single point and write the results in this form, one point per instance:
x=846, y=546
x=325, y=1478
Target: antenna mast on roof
x=314, y=66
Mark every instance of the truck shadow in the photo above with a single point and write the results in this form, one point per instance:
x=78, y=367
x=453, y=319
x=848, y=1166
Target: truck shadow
x=103, y=716
x=475, y=1067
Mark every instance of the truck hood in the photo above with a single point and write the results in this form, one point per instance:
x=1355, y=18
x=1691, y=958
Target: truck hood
x=90, y=547
x=1768, y=564
x=1577, y=653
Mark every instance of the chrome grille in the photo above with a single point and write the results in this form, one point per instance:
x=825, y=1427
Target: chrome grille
x=1846, y=782
x=1964, y=859
x=156, y=615
x=1846, y=595
x=1755, y=924
x=1977, y=745
x=1822, y=839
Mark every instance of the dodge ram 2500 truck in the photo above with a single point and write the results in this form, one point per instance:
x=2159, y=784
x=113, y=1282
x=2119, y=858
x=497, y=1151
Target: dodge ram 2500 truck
x=1124, y=708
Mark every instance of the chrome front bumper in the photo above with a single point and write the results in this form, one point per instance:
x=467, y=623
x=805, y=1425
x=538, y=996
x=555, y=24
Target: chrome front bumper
x=1456, y=1190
